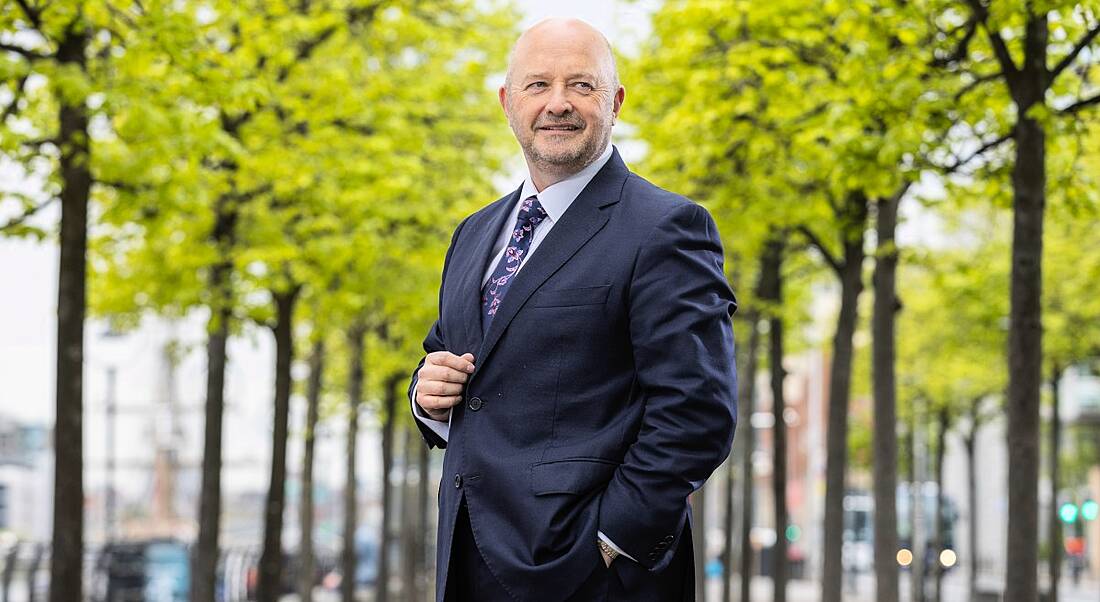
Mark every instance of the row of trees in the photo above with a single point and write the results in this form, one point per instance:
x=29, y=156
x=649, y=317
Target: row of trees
x=812, y=123
x=292, y=165
x=298, y=166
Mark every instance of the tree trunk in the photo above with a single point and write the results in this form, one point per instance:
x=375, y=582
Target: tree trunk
x=269, y=588
x=204, y=555
x=305, y=505
x=884, y=430
x=727, y=525
x=409, y=519
x=32, y=571
x=66, y=559
x=8, y=572
x=916, y=535
x=850, y=273
x=389, y=405
x=771, y=292
x=972, y=504
x=1025, y=334
x=351, y=503
x=422, y=458
x=698, y=540
x=747, y=395
x=940, y=524
x=1055, y=478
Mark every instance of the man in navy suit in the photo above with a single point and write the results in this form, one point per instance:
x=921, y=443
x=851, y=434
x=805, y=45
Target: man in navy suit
x=581, y=372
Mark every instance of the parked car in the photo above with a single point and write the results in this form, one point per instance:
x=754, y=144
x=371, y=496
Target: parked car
x=155, y=570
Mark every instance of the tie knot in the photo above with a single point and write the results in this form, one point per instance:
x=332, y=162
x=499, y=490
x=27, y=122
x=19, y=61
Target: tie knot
x=531, y=211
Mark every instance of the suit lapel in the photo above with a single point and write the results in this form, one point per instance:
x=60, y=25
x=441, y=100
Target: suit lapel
x=477, y=262
x=578, y=224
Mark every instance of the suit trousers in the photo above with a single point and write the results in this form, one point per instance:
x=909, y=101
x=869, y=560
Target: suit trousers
x=470, y=580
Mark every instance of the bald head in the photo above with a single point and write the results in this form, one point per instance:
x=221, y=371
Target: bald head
x=556, y=32
x=561, y=96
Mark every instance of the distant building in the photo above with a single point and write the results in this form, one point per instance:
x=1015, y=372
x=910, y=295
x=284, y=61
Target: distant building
x=1080, y=404
x=26, y=480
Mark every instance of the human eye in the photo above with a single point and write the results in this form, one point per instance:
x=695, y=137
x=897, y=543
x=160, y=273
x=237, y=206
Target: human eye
x=536, y=85
x=584, y=86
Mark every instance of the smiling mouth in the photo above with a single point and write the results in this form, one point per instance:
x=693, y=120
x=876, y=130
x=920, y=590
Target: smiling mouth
x=560, y=128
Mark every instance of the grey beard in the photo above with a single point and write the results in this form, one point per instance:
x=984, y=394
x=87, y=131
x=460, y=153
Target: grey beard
x=570, y=162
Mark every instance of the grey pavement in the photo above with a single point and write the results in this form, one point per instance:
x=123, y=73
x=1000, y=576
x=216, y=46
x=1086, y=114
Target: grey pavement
x=860, y=589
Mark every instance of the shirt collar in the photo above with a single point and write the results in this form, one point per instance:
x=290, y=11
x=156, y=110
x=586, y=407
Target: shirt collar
x=556, y=198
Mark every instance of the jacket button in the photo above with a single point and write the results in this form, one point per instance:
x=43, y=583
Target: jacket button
x=669, y=538
x=662, y=545
x=458, y=481
x=475, y=403
x=653, y=555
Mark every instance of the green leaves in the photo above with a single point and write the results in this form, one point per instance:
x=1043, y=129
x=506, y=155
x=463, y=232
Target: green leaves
x=332, y=146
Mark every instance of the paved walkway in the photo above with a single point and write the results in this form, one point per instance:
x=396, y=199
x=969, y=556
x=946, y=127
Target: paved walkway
x=859, y=590
x=955, y=589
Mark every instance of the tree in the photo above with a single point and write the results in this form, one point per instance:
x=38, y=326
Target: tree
x=858, y=141
x=885, y=454
x=60, y=55
x=348, y=560
x=1012, y=44
x=747, y=394
x=57, y=63
x=307, y=565
x=771, y=292
x=1071, y=316
x=281, y=206
x=949, y=361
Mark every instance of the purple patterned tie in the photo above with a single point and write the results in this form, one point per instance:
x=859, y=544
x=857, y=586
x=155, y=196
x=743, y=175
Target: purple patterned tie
x=531, y=214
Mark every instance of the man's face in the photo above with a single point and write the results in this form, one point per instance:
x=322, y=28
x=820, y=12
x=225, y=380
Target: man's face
x=561, y=99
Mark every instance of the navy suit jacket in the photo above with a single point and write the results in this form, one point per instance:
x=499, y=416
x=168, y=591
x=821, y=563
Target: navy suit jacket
x=604, y=391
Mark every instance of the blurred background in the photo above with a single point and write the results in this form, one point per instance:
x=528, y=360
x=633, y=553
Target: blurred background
x=222, y=226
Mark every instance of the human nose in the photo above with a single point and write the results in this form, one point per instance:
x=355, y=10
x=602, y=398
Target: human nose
x=558, y=104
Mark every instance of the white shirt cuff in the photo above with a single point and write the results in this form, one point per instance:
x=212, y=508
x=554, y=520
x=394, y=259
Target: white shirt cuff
x=438, y=427
x=613, y=546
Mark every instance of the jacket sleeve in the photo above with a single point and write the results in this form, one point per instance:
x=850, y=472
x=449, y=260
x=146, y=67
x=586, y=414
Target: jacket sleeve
x=680, y=308
x=435, y=341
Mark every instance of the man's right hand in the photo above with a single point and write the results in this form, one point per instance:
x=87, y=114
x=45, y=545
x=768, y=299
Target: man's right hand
x=440, y=381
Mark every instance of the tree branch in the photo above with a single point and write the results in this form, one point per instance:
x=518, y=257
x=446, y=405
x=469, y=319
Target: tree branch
x=901, y=190
x=1072, y=56
x=16, y=95
x=28, y=213
x=303, y=51
x=33, y=14
x=129, y=187
x=821, y=248
x=962, y=48
x=809, y=55
x=357, y=128
x=26, y=53
x=1080, y=105
x=979, y=80
x=1000, y=49
x=960, y=163
x=246, y=195
x=37, y=143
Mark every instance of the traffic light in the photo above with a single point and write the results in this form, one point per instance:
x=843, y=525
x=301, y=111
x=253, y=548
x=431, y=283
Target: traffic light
x=793, y=533
x=1088, y=509
x=1068, y=513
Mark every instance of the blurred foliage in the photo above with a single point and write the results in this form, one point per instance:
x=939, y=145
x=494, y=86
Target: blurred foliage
x=347, y=138
x=774, y=114
x=344, y=139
